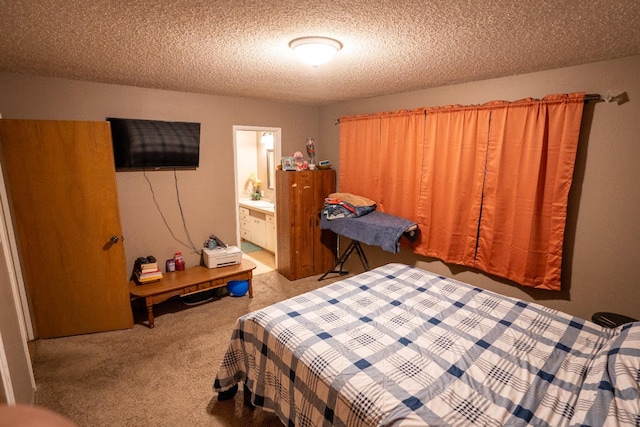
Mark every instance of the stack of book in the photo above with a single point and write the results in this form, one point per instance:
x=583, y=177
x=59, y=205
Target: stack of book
x=146, y=270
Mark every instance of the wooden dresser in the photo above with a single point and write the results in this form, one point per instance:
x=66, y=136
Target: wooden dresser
x=303, y=249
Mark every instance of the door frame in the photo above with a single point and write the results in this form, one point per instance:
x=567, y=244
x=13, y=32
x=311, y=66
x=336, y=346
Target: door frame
x=20, y=301
x=13, y=263
x=277, y=149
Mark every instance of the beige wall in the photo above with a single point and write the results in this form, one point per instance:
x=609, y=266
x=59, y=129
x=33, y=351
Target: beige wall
x=603, y=234
x=251, y=155
x=207, y=194
x=246, y=150
x=602, y=244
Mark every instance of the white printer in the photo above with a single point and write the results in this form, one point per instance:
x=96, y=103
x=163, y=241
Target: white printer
x=221, y=257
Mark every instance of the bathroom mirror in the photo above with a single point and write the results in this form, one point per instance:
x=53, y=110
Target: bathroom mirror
x=271, y=170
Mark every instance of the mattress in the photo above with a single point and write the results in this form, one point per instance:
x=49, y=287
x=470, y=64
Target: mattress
x=400, y=346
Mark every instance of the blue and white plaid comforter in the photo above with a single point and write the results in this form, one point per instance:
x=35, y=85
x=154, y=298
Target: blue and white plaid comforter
x=399, y=346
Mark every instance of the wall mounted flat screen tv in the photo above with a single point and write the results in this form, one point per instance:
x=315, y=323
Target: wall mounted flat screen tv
x=154, y=144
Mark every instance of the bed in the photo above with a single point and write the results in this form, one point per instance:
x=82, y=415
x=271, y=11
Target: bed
x=400, y=346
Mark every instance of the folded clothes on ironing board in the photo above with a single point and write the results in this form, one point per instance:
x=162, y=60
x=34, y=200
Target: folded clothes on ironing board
x=347, y=205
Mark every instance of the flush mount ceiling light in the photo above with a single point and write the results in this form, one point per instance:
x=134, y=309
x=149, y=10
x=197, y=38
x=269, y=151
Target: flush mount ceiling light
x=315, y=50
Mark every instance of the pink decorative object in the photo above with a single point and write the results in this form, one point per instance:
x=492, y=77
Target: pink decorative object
x=298, y=160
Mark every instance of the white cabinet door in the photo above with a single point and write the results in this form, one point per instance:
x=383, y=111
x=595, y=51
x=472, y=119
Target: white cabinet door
x=258, y=231
x=271, y=234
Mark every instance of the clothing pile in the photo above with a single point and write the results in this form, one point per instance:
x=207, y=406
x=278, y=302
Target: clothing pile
x=356, y=217
x=347, y=205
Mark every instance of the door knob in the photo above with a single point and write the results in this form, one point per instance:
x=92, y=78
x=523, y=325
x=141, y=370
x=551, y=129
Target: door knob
x=114, y=239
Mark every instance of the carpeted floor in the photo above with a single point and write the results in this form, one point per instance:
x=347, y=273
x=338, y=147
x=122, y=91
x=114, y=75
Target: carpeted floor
x=161, y=376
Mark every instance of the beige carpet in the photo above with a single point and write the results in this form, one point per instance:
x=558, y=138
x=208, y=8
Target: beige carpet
x=161, y=376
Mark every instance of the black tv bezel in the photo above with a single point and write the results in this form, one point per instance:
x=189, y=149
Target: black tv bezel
x=154, y=159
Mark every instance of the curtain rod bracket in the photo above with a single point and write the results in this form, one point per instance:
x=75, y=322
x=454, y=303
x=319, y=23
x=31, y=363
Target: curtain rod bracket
x=620, y=98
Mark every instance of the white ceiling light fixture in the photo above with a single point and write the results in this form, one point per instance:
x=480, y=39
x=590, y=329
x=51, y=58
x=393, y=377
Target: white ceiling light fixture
x=267, y=138
x=315, y=51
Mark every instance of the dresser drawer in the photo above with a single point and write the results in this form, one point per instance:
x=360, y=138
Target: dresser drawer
x=245, y=234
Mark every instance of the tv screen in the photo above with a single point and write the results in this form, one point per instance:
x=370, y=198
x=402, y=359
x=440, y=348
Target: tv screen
x=154, y=144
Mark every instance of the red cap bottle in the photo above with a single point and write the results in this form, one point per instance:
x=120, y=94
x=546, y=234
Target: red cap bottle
x=179, y=261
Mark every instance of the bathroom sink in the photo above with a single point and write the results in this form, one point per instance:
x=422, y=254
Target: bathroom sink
x=261, y=204
x=258, y=204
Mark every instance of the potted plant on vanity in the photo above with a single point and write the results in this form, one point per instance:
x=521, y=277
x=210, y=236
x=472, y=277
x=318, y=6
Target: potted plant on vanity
x=255, y=194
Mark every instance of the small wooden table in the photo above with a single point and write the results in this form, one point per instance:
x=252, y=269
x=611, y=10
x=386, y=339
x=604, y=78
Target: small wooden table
x=192, y=279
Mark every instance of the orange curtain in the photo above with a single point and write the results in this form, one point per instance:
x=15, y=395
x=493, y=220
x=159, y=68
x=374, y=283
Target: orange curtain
x=360, y=155
x=401, y=144
x=452, y=177
x=381, y=157
x=493, y=180
x=530, y=163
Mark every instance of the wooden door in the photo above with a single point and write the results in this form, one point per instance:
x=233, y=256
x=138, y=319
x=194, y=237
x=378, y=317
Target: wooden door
x=324, y=241
x=60, y=179
x=295, y=254
x=304, y=225
x=283, y=221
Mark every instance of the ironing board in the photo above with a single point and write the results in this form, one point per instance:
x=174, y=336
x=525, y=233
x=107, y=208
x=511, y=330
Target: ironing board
x=375, y=229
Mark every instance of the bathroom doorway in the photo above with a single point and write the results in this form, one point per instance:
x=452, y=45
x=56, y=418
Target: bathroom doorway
x=256, y=150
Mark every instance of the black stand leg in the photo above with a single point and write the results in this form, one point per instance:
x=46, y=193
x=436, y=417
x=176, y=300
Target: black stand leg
x=363, y=258
x=229, y=394
x=247, y=397
x=354, y=245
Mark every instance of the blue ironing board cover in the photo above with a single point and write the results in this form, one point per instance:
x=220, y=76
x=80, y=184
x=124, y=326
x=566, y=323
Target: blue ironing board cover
x=375, y=228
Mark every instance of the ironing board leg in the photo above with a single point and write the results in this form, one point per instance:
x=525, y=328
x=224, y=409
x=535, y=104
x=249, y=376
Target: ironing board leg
x=363, y=258
x=343, y=258
x=354, y=245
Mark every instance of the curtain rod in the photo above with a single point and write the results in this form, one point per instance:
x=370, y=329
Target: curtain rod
x=588, y=97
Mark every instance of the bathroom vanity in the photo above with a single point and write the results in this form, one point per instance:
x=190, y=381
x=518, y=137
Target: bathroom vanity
x=257, y=223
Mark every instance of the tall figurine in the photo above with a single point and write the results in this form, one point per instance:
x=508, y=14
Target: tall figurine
x=311, y=151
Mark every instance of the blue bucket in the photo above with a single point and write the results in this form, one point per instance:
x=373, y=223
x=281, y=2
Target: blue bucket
x=238, y=288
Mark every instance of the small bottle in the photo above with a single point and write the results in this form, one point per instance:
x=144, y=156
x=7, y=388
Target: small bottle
x=171, y=265
x=178, y=261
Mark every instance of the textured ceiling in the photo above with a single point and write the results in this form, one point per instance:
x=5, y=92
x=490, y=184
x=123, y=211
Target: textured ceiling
x=240, y=48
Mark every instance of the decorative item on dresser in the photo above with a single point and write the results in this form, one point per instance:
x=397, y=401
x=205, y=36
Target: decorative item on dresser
x=303, y=248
